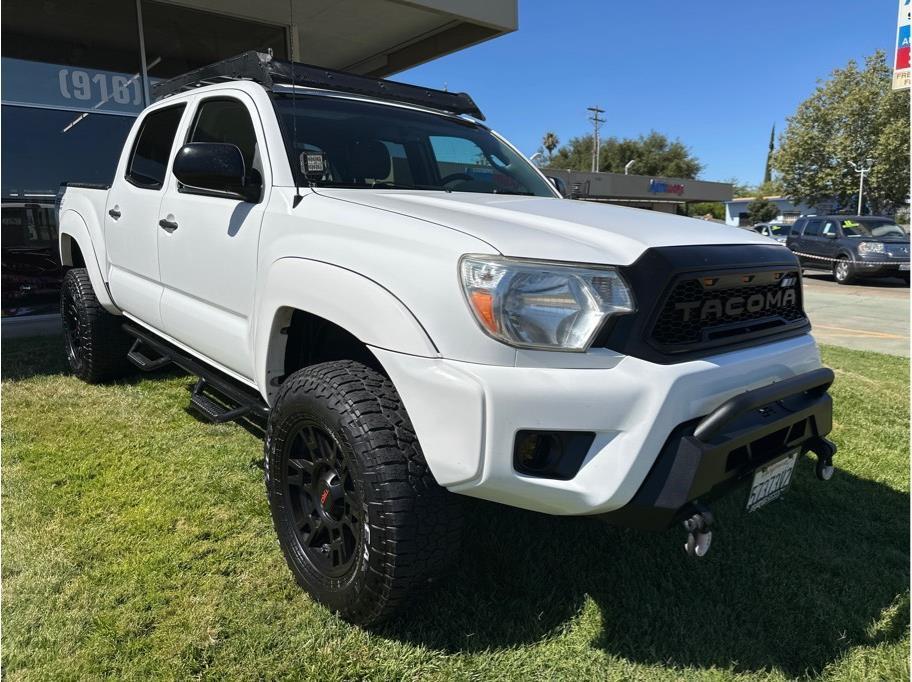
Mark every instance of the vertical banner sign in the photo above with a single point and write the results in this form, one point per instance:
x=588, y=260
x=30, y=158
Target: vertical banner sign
x=901, y=71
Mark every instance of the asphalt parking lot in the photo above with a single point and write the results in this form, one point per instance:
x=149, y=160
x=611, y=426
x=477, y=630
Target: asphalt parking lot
x=871, y=315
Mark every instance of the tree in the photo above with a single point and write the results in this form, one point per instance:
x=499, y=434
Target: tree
x=701, y=209
x=850, y=117
x=550, y=142
x=654, y=154
x=741, y=189
x=768, y=172
x=769, y=188
x=761, y=211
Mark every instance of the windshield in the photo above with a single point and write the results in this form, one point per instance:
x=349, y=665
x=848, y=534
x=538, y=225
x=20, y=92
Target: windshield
x=871, y=228
x=375, y=146
x=780, y=230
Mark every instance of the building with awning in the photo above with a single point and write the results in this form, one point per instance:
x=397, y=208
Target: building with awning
x=669, y=195
x=76, y=74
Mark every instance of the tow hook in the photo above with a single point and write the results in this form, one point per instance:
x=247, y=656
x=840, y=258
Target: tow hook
x=824, y=449
x=699, y=536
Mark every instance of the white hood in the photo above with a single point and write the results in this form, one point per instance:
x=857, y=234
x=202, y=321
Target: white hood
x=552, y=229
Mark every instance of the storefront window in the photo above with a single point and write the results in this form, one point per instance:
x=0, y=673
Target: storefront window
x=43, y=147
x=66, y=68
x=30, y=270
x=39, y=149
x=78, y=55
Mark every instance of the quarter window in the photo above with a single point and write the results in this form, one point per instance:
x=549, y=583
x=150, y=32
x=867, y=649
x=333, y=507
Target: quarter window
x=152, y=149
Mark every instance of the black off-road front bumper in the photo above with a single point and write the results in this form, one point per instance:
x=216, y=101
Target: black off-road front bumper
x=706, y=458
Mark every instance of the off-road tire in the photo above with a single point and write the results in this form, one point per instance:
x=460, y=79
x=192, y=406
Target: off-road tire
x=95, y=345
x=844, y=271
x=402, y=528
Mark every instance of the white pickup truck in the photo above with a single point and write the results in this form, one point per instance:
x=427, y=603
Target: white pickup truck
x=414, y=314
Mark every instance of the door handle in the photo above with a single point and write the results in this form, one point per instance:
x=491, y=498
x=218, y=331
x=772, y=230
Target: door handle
x=167, y=225
x=114, y=213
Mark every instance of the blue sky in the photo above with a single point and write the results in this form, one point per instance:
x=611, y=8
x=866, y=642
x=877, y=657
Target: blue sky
x=716, y=74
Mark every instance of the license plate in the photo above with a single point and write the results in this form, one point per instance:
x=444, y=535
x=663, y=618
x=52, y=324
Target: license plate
x=771, y=481
x=903, y=266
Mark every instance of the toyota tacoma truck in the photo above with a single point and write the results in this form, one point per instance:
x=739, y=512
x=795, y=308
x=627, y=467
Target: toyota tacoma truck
x=414, y=314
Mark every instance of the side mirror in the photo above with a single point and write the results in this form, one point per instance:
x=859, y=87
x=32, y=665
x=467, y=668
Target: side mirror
x=216, y=169
x=559, y=184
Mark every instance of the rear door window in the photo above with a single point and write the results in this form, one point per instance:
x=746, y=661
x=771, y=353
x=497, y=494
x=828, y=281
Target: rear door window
x=149, y=158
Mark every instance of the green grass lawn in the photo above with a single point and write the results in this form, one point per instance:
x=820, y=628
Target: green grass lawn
x=137, y=543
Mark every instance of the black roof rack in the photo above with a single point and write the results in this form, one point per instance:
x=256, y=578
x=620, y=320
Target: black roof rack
x=269, y=72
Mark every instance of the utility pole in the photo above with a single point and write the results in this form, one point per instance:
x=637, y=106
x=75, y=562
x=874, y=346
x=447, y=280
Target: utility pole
x=596, y=122
x=862, y=170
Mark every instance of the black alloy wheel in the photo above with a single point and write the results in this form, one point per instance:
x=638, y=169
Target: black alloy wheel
x=328, y=515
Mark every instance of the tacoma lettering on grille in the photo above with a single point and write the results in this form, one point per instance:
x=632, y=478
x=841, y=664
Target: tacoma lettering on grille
x=725, y=307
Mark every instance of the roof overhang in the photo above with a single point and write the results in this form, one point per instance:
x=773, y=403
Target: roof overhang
x=375, y=38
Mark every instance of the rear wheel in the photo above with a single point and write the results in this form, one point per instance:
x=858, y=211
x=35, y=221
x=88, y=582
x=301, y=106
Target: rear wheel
x=96, y=346
x=843, y=271
x=362, y=523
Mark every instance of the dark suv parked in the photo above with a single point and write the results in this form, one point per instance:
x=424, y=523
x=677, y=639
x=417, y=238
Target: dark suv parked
x=851, y=246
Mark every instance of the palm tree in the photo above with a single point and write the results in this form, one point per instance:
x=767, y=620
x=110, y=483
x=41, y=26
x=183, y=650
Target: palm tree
x=550, y=142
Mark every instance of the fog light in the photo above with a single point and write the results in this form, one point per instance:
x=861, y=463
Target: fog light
x=551, y=454
x=536, y=449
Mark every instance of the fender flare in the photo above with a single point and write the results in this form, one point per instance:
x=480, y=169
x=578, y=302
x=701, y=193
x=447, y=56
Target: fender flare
x=72, y=228
x=358, y=304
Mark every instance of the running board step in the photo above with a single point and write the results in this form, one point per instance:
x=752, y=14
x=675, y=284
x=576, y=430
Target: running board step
x=144, y=362
x=216, y=397
x=212, y=410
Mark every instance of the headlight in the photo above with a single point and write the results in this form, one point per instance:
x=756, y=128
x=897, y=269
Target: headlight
x=534, y=304
x=870, y=247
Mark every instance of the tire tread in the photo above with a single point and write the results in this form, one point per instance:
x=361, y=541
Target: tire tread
x=104, y=343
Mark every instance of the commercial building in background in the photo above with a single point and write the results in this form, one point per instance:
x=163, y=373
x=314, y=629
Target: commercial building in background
x=668, y=195
x=736, y=210
x=76, y=74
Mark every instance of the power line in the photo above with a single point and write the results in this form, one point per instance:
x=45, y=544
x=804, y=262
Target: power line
x=596, y=123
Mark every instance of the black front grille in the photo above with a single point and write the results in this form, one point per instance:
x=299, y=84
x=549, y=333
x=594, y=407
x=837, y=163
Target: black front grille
x=710, y=309
x=668, y=275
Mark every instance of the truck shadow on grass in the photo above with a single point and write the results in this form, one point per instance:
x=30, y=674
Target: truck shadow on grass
x=790, y=587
